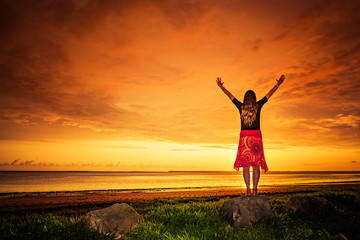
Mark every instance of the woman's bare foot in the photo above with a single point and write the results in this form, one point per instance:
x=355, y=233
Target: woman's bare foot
x=255, y=193
x=248, y=192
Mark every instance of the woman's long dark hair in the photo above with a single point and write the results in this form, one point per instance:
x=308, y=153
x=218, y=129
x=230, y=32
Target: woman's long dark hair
x=249, y=108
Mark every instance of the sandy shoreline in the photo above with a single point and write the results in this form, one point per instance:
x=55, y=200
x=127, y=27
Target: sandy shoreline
x=16, y=203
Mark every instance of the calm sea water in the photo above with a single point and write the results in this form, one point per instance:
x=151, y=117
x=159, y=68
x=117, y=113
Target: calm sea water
x=11, y=182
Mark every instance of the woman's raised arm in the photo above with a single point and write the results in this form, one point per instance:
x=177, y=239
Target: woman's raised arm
x=220, y=84
x=279, y=82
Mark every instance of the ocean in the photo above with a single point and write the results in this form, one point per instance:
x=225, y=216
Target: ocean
x=16, y=182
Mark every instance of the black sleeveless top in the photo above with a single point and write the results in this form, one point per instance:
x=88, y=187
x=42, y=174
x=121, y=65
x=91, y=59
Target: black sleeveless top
x=256, y=124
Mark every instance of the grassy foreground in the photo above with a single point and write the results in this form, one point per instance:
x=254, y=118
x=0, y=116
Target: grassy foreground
x=194, y=218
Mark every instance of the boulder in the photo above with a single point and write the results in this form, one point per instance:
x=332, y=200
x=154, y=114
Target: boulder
x=246, y=210
x=117, y=219
x=307, y=206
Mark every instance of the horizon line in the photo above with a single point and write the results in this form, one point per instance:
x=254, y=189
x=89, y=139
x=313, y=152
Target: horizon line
x=179, y=171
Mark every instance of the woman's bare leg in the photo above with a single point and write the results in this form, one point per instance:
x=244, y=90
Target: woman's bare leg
x=256, y=177
x=246, y=175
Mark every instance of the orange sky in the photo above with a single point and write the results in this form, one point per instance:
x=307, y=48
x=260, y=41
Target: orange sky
x=130, y=85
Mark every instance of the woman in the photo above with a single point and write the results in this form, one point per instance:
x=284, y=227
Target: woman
x=250, y=150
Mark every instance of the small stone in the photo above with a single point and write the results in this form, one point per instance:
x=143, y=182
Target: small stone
x=340, y=236
x=117, y=219
x=244, y=211
x=307, y=206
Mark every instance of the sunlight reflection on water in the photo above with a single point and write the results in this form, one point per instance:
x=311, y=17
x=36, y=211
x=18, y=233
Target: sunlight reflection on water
x=86, y=181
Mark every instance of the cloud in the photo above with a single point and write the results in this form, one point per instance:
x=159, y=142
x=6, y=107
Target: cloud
x=320, y=93
x=141, y=69
x=225, y=146
x=32, y=163
x=340, y=121
x=17, y=162
x=313, y=164
x=40, y=80
x=124, y=147
x=184, y=149
x=256, y=44
x=26, y=163
x=14, y=162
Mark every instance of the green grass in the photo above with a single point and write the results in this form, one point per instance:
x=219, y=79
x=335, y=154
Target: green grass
x=60, y=224
x=193, y=218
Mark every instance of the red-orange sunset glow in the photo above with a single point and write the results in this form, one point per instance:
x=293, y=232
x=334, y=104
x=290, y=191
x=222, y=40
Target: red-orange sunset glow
x=130, y=85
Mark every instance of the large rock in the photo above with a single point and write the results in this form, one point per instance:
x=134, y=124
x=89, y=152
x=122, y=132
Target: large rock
x=307, y=206
x=117, y=219
x=243, y=211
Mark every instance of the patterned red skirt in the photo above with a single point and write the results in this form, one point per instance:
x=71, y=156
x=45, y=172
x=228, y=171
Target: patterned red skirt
x=250, y=150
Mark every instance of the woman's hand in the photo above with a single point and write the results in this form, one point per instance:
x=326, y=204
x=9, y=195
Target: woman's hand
x=281, y=80
x=219, y=83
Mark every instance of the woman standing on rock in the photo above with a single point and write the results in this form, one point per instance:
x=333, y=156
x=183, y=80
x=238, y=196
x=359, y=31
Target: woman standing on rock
x=250, y=150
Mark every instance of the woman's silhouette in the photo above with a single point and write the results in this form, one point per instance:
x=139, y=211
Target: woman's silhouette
x=250, y=150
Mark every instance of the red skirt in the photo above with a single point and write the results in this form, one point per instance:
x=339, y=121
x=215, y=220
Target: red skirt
x=250, y=150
